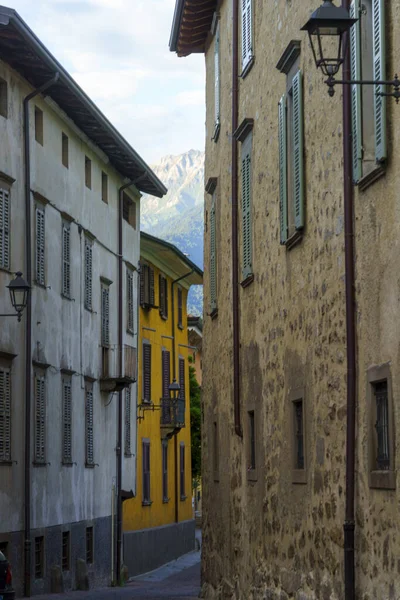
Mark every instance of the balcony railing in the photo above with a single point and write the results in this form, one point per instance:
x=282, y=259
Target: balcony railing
x=172, y=412
x=110, y=365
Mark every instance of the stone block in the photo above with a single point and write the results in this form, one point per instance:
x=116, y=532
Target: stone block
x=82, y=578
x=56, y=580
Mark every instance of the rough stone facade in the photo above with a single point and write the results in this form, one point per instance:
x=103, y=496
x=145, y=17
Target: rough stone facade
x=266, y=537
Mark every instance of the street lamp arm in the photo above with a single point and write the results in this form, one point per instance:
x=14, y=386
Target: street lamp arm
x=19, y=315
x=395, y=83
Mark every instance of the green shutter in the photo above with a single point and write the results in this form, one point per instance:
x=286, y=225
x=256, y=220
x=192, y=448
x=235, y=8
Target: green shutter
x=355, y=66
x=298, y=151
x=213, y=266
x=379, y=58
x=283, y=169
x=246, y=209
x=247, y=34
x=217, y=77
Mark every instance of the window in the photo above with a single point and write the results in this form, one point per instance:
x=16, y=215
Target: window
x=146, y=286
x=182, y=470
x=4, y=228
x=105, y=315
x=40, y=418
x=182, y=392
x=5, y=414
x=215, y=456
x=247, y=35
x=163, y=290
x=39, y=557
x=67, y=420
x=40, y=245
x=128, y=412
x=129, y=210
x=252, y=442
x=180, y=308
x=38, y=125
x=89, y=442
x=129, y=301
x=88, y=273
x=166, y=370
x=89, y=545
x=146, y=471
x=210, y=188
x=3, y=98
x=66, y=551
x=165, y=470
x=88, y=173
x=381, y=447
x=146, y=372
x=247, y=242
x=217, y=84
x=298, y=434
x=64, y=150
x=368, y=62
x=104, y=187
x=66, y=260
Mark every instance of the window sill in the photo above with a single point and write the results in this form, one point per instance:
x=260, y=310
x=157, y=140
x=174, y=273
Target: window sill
x=67, y=463
x=213, y=314
x=247, y=281
x=89, y=310
x=183, y=498
x=216, y=477
x=130, y=332
x=247, y=68
x=6, y=463
x=39, y=464
x=89, y=465
x=181, y=327
x=164, y=318
x=294, y=239
x=42, y=285
x=147, y=502
x=166, y=500
x=299, y=476
x=366, y=181
x=382, y=480
x=217, y=130
x=6, y=270
x=67, y=298
x=252, y=475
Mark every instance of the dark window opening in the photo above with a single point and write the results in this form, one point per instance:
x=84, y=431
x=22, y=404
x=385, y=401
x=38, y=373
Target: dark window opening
x=39, y=125
x=89, y=545
x=146, y=373
x=65, y=551
x=298, y=434
x=382, y=425
x=88, y=173
x=129, y=210
x=146, y=471
x=65, y=154
x=182, y=471
x=3, y=98
x=180, y=308
x=163, y=290
x=4, y=548
x=39, y=557
x=165, y=471
x=104, y=187
x=216, y=449
x=252, y=433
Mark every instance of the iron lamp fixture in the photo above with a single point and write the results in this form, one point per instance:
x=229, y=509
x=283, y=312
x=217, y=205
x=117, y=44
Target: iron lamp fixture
x=19, y=291
x=174, y=387
x=329, y=31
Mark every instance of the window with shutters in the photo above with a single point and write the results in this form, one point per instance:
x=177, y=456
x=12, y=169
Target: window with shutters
x=381, y=448
x=40, y=418
x=247, y=224
x=247, y=36
x=4, y=227
x=368, y=62
x=89, y=545
x=130, y=312
x=128, y=414
x=38, y=125
x=163, y=292
x=165, y=471
x=89, y=440
x=182, y=392
x=40, y=246
x=180, y=308
x=88, y=173
x=291, y=155
x=146, y=499
x=298, y=435
x=104, y=187
x=105, y=315
x=166, y=372
x=146, y=392
x=66, y=551
x=3, y=98
x=67, y=419
x=39, y=557
x=217, y=83
x=64, y=150
x=182, y=470
x=5, y=414
x=215, y=456
x=66, y=260
x=252, y=442
x=146, y=286
x=129, y=210
x=88, y=273
x=211, y=226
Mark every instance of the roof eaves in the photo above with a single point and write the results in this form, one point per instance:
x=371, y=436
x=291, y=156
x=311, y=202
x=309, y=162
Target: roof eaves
x=176, y=25
x=172, y=247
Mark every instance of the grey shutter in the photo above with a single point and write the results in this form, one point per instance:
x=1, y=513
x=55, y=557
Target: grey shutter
x=128, y=410
x=247, y=52
x=105, y=316
x=88, y=274
x=379, y=58
x=161, y=288
x=166, y=370
x=129, y=300
x=146, y=373
x=151, y=287
x=67, y=422
x=355, y=72
x=217, y=76
x=5, y=415
x=40, y=419
x=40, y=246
x=298, y=151
x=247, y=241
x=180, y=308
x=89, y=426
x=142, y=283
x=283, y=193
x=213, y=257
x=66, y=261
x=4, y=229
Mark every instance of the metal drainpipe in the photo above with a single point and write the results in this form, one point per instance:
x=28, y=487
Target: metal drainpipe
x=174, y=379
x=235, y=260
x=28, y=336
x=348, y=199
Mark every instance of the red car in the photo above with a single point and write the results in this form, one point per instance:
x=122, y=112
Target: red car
x=6, y=591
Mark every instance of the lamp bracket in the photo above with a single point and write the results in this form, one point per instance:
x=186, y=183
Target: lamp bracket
x=395, y=84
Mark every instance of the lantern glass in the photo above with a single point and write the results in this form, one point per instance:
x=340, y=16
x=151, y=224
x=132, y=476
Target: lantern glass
x=174, y=388
x=19, y=290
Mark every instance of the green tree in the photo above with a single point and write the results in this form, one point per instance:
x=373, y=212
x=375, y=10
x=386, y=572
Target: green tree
x=195, y=421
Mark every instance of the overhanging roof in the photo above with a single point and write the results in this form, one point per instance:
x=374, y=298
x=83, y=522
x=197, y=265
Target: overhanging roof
x=191, y=24
x=170, y=259
x=24, y=52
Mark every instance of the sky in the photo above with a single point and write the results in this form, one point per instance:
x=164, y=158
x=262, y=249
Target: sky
x=117, y=51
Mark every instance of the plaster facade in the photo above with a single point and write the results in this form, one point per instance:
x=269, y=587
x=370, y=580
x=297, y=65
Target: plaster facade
x=266, y=534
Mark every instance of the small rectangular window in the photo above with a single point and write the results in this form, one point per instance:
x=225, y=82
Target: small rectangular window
x=4, y=228
x=5, y=414
x=146, y=373
x=66, y=551
x=40, y=245
x=3, y=98
x=88, y=273
x=182, y=471
x=163, y=292
x=89, y=545
x=89, y=441
x=88, y=173
x=252, y=442
x=38, y=125
x=67, y=420
x=66, y=260
x=128, y=412
x=129, y=210
x=40, y=418
x=39, y=557
x=165, y=470
x=180, y=308
x=146, y=471
x=104, y=187
x=382, y=426
x=64, y=151
x=105, y=315
x=247, y=33
x=129, y=302
x=298, y=434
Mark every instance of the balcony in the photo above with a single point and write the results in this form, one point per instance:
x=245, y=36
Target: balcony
x=112, y=380
x=172, y=415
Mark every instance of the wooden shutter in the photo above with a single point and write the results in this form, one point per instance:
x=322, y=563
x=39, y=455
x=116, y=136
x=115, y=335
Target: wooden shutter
x=151, y=287
x=379, y=58
x=142, y=278
x=166, y=370
x=182, y=378
x=146, y=470
x=247, y=41
x=355, y=71
x=40, y=419
x=283, y=199
x=5, y=415
x=217, y=76
x=182, y=469
x=180, y=308
x=163, y=292
x=88, y=274
x=146, y=373
x=129, y=301
x=105, y=316
x=67, y=421
x=165, y=297
x=4, y=229
x=165, y=470
x=128, y=410
x=40, y=246
x=247, y=241
x=66, y=261
x=213, y=257
x=298, y=151
x=89, y=424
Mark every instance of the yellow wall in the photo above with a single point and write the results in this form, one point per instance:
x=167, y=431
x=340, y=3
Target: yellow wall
x=135, y=515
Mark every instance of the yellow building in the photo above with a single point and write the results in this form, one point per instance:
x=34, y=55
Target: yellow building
x=158, y=522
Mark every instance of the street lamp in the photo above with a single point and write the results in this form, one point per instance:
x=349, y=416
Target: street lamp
x=174, y=388
x=19, y=291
